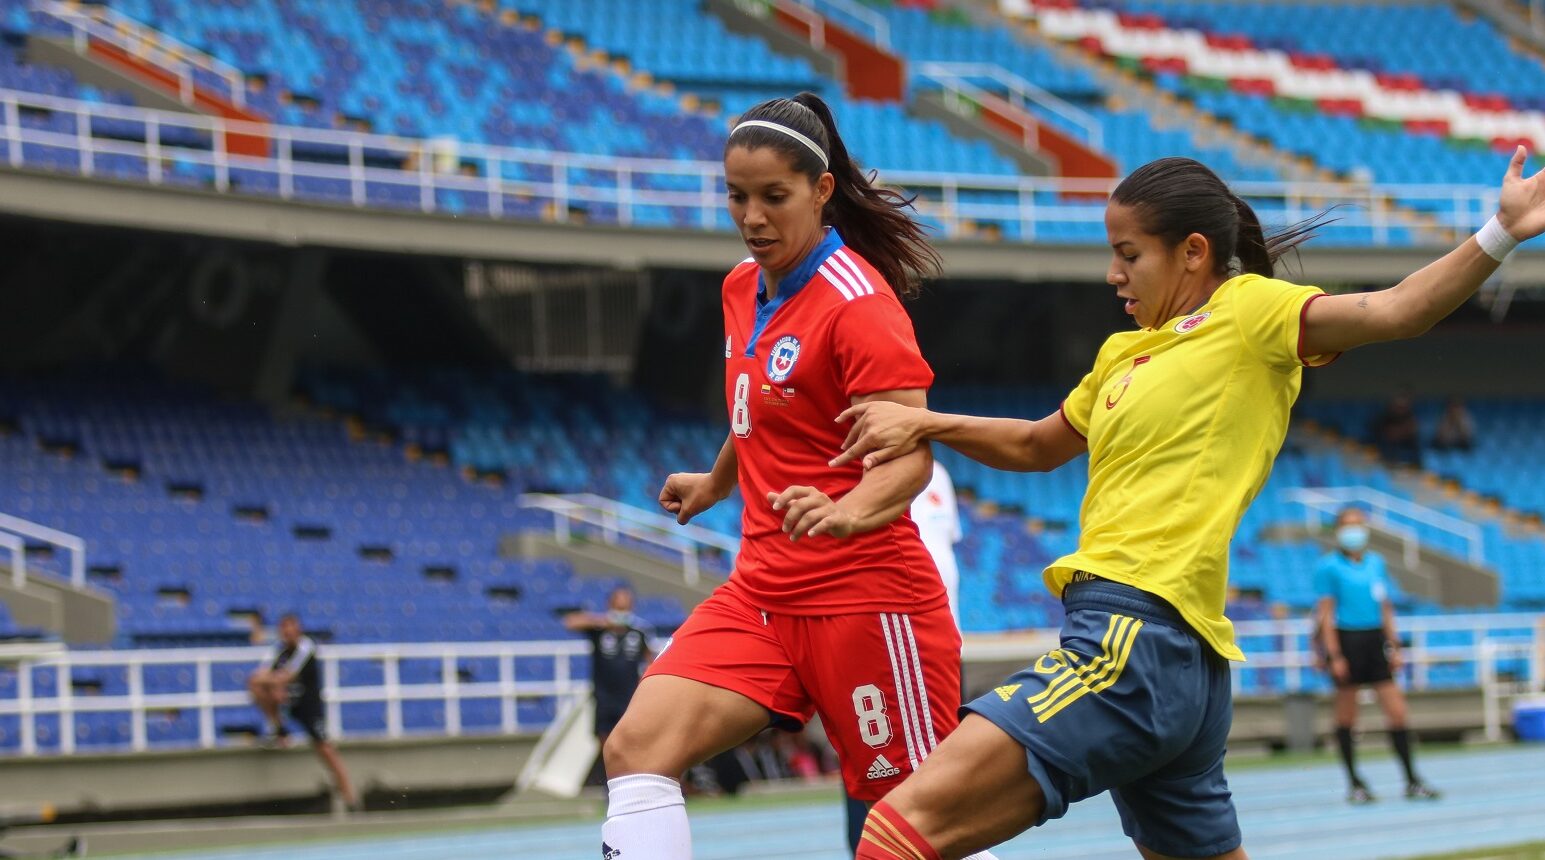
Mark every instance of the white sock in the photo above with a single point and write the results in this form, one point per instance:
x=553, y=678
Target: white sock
x=646, y=819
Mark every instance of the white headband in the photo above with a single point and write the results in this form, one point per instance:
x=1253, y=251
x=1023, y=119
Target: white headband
x=761, y=123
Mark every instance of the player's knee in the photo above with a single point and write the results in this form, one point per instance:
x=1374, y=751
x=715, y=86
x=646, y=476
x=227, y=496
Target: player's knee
x=634, y=748
x=912, y=801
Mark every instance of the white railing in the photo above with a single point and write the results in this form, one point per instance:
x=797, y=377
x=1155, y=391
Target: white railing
x=17, y=549
x=1294, y=657
x=1384, y=509
x=615, y=521
x=28, y=529
x=364, y=164
x=146, y=44
x=1498, y=692
x=1282, y=650
x=879, y=28
x=962, y=77
x=1516, y=638
x=204, y=699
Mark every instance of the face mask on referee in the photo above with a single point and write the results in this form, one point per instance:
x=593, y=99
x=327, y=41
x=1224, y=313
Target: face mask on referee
x=1352, y=538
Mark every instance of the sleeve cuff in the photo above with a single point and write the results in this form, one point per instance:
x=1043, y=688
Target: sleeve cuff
x=864, y=388
x=1062, y=410
x=1303, y=320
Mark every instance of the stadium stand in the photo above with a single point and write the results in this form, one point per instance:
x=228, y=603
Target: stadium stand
x=1334, y=95
x=580, y=434
x=200, y=512
x=599, y=78
x=204, y=512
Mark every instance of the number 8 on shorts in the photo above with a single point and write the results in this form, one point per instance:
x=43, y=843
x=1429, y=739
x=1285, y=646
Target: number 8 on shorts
x=874, y=727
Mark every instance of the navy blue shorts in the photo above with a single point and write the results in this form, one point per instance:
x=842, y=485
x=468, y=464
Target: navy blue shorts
x=1133, y=703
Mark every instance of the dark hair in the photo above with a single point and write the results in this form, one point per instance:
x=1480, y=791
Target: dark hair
x=873, y=220
x=289, y=616
x=1349, y=508
x=1175, y=197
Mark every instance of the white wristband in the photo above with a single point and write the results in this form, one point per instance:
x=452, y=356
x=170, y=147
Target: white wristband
x=1495, y=240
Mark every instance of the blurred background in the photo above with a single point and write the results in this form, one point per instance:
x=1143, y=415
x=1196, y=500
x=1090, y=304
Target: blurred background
x=395, y=314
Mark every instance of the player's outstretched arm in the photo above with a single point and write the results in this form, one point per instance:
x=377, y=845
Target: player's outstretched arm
x=687, y=494
x=882, y=431
x=1408, y=309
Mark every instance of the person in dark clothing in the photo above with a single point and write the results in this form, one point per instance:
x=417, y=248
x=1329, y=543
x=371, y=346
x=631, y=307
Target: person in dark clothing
x=290, y=679
x=1456, y=428
x=620, y=651
x=1397, y=434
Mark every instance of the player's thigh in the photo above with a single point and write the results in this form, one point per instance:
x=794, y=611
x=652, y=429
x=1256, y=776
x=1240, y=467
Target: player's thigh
x=673, y=723
x=887, y=687
x=724, y=676
x=974, y=791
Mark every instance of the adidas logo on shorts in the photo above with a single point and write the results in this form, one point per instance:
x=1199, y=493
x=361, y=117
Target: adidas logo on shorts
x=882, y=769
x=610, y=853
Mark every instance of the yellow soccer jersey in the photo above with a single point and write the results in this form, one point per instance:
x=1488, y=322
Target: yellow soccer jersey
x=1183, y=423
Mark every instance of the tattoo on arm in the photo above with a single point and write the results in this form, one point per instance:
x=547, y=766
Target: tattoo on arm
x=1363, y=302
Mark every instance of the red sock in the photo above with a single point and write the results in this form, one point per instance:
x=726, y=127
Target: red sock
x=888, y=836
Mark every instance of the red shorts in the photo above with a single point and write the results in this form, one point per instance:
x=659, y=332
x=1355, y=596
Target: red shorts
x=887, y=685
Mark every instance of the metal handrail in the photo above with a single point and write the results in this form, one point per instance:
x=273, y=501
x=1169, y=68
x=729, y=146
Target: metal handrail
x=27, y=528
x=562, y=178
x=1330, y=500
x=617, y=520
x=879, y=28
x=204, y=699
x=957, y=76
x=146, y=43
x=1494, y=690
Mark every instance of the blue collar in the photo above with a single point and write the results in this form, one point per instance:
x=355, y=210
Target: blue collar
x=790, y=284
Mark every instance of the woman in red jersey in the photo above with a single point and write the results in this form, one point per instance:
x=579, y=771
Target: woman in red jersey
x=834, y=606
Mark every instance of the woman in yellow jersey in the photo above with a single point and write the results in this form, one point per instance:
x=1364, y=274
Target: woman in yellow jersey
x=1182, y=419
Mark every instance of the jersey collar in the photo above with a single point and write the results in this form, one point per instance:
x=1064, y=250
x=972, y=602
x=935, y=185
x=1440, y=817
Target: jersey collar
x=790, y=284
x=801, y=274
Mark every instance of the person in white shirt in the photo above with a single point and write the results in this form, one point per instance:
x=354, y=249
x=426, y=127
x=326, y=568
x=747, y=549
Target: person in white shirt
x=938, y=521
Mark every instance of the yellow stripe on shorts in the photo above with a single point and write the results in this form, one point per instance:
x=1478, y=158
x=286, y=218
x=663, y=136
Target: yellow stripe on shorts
x=1098, y=675
x=1069, y=675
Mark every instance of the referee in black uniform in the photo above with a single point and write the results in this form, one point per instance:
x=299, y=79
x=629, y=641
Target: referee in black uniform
x=619, y=653
x=290, y=679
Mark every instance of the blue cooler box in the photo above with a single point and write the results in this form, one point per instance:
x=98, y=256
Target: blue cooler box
x=1529, y=718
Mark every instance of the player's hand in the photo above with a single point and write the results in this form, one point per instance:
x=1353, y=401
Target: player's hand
x=1395, y=660
x=810, y=512
x=687, y=494
x=1522, y=209
x=1339, y=669
x=882, y=430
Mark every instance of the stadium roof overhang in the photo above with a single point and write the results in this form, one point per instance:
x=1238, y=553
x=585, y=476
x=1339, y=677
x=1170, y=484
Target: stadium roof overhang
x=255, y=219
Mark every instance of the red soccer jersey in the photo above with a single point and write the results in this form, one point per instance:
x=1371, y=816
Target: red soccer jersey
x=834, y=331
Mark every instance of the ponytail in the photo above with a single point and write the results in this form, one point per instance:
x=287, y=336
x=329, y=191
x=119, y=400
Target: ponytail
x=873, y=221
x=1250, y=243
x=1258, y=253
x=1176, y=197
